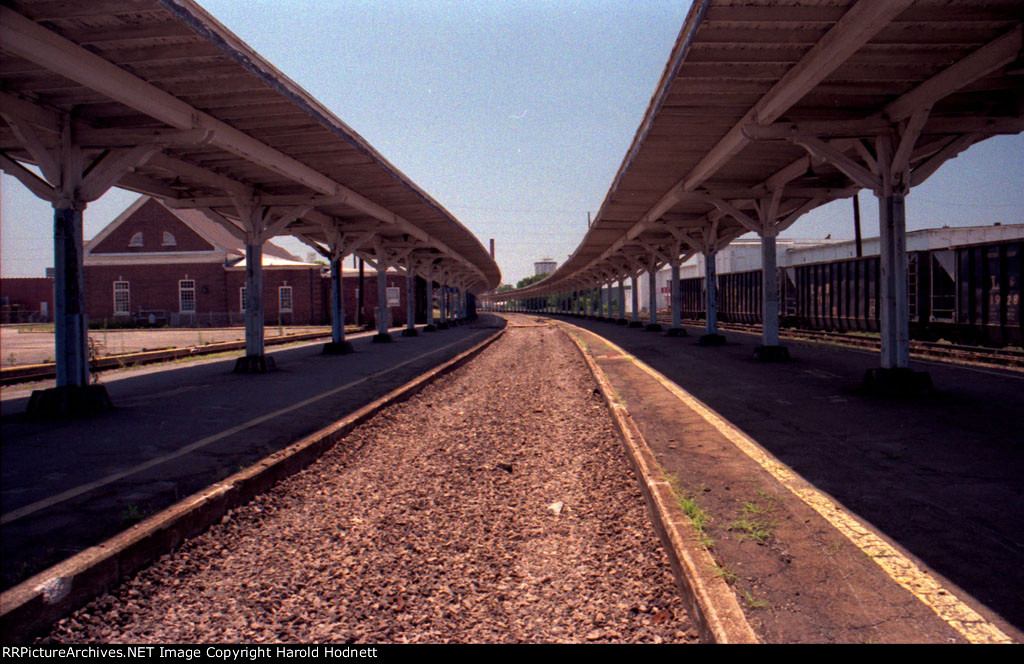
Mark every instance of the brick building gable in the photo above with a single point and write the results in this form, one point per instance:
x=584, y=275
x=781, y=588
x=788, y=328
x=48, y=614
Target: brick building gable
x=150, y=228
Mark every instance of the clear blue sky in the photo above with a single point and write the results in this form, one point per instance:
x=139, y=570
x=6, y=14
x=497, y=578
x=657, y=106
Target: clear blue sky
x=513, y=115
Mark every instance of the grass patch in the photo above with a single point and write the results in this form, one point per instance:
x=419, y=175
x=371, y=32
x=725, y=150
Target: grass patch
x=725, y=573
x=131, y=514
x=687, y=501
x=754, y=522
x=753, y=602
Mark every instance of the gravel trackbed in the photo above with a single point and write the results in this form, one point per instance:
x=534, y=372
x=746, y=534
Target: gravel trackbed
x=494, y=506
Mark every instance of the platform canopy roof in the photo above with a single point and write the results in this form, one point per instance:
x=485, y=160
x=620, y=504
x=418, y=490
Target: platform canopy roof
x=158, y=97
x=768, y=109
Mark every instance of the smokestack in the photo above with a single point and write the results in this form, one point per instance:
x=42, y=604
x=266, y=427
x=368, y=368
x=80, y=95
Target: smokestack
x=492, y=248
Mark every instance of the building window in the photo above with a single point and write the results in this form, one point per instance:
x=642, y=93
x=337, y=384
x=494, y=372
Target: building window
x=136, y=240
x=186, y=295
x=284, y=298
x=169, y=240
x=241, y=299
x=122, y=300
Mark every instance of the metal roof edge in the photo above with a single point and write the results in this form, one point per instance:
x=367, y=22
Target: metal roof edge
x=206, y=25
x=687, y=33
x=683, y=42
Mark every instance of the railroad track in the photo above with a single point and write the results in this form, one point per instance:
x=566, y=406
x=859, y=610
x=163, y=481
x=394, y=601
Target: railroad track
x=1010, y=358
x=33, y=372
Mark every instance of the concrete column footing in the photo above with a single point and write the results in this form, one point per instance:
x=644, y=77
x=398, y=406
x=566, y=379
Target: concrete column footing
x=430, y=328
x=653, y=327
x=772, y=353
x=410, y=332
x=382, y=338
x=677, y=332
x=711, y=340
x=898, y=382
x=339, y=348
x=68, y=401
x=255, y=364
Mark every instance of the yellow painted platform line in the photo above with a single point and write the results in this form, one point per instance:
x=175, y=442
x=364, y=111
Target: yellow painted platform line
x=901, y=569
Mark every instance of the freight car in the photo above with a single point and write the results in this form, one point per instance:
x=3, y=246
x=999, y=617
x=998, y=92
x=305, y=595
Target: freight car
x=966, y=294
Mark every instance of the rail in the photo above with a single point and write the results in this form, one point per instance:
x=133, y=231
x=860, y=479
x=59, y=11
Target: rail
x=1011, y=358
x=34, y=372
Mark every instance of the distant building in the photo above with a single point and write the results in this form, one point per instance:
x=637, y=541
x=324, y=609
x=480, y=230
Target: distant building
x=921, y=240
x=545, y=266
x=178, y=267
x=26, y=300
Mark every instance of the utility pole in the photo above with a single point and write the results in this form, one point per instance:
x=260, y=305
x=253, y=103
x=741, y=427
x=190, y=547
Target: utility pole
x=856, y=224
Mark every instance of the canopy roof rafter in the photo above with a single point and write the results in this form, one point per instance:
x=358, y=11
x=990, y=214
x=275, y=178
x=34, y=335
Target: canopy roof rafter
x=790, y=106
x=201, y=121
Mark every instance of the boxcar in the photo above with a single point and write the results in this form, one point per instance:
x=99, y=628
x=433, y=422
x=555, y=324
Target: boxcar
x=987, y=303
x=967, y=294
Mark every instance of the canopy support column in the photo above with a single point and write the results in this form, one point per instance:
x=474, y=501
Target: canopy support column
x=620, y=304
x=652, y=298
x=430, y=304
x=677, y=329
x=383, y=313
x=635, y=322
x=889, y=175
x=410, y=303
x=70, y=180
x=711, y=336
x=337, y=345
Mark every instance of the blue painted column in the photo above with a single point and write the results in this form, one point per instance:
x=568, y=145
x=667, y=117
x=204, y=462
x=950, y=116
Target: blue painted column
x=71, y=326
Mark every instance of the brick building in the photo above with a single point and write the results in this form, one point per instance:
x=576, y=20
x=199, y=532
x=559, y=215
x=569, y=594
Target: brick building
x=26, y=300
x=178, y=267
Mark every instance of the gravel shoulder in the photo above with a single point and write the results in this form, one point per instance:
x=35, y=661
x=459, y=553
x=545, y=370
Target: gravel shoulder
x=494, y=506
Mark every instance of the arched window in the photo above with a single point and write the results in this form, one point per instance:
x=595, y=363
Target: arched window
x=136, y=240
x=169, y=240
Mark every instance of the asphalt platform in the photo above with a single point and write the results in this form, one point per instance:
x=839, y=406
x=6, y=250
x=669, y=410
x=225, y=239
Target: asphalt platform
x=175, y=429
x=941, y=477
